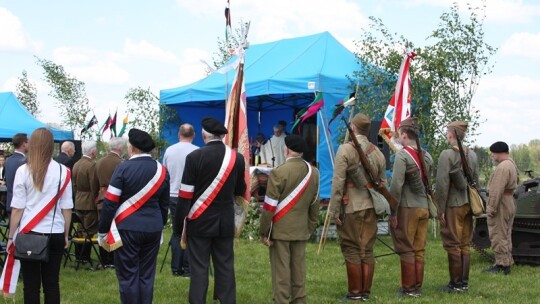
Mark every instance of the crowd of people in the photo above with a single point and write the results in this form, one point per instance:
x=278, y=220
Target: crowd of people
x=127, y=201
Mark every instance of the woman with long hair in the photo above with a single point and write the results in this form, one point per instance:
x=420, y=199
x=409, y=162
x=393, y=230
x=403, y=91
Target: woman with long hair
x=42, y=203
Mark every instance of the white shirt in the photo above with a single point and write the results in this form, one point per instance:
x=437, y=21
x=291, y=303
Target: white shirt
x=175, y=160
x=273, y=148
x=26, y=197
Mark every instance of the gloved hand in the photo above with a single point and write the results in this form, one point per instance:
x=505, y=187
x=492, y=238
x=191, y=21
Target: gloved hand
x=102, y=238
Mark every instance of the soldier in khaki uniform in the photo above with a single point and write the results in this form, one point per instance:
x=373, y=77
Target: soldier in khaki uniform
x=358, y=230
x=291, y=211
x=501, y=207
x=409, y=221
x=456, y=215
x=86, y=189
x=105, y=168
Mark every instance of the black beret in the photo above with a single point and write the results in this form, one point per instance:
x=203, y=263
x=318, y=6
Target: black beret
x=296, y=143
x=499, y=147
x=214, y=126
x=141, y=140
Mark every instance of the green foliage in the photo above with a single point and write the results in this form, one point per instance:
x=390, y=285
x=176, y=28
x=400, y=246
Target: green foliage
x=70, y=94
x=485, y=164
x=252, y=223
x=444, y=74
x=27, y=94
x=223, y=54
x=149, y=115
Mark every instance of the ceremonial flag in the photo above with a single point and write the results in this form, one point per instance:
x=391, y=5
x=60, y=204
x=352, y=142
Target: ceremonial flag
x=106, y=125
x=236, y=123
x=309, y=111
x=227, y=20
x=124, y=124
x=90, y=124
x=113, y=124
x=341, y=105
x=399, y=107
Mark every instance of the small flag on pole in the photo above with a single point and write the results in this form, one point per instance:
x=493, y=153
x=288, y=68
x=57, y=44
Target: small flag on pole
x=124, y=124
x=113, y=124
x=106, y=125
x=90, y=124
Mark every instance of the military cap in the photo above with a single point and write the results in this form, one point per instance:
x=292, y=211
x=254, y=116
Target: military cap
x=361, y=121
x=296, y=143
x=459, y=126
x=410, y=123
x=141, y=140
x=214, y=126
x=499, y=147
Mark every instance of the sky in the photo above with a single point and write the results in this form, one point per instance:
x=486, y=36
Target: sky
x=116, y=45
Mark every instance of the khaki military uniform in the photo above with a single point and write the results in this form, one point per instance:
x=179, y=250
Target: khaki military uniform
x=358, y=231
x=105, y=168
x=409, y=236
x=502, y=206
x=290, y=233
x=451, y=195
x=86, y=188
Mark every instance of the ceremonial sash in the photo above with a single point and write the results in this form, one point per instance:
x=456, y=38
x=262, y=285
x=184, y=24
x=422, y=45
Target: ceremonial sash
x=207, y=197
x=132, y=204
x=415, y=158
x=12, y=266
x=281, y=208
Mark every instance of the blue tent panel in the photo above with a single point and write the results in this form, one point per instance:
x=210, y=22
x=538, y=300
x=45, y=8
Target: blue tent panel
x=277, y=78
x=14, y=118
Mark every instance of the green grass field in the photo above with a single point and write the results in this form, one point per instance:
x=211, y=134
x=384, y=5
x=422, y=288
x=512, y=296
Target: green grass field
x=326, y=279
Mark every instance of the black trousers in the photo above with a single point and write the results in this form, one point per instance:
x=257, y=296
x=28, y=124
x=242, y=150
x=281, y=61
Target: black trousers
x=135, y=264
x=179, y=256
x=47, y=274
x=221, y=250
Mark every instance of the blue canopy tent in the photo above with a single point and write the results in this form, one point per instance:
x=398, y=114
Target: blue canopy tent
x=280, y=78
x=14, y=118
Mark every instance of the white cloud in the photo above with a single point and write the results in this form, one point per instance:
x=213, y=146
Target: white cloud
x=506, y=99
x=508, y=11
x=147, y=50
x=10, y=84
x=522, y=44
x=280, y=19
x=91, y=65
x=11, y=34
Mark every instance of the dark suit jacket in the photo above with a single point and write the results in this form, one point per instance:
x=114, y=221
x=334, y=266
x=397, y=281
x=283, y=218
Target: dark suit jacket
x=65, y=160
x=201, y=168
x=12, y=164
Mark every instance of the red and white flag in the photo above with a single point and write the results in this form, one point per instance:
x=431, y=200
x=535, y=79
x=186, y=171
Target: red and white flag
x=399, y=107
x=236, y=122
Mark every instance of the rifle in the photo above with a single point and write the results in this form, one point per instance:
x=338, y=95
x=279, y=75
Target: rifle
x=465, y=163
x=425, y=178
x=371, y=177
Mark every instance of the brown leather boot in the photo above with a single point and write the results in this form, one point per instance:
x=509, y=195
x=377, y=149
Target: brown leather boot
x=419, y=270
x=466, y=263
x=367, y=279
x=354, y=277
x=408, y=279
x=455, y=268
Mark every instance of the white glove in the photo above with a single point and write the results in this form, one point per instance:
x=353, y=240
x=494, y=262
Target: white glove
x=101, y=239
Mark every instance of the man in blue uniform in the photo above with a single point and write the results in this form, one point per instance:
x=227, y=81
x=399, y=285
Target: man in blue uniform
x=133, y=215
x=213, y=176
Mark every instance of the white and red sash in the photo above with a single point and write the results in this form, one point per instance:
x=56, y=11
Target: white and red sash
x=414, y=155
x=281, y=208
x=12, y=266
x=207, y=197
x=129, y=206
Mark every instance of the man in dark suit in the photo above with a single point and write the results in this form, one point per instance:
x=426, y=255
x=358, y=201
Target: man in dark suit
x=213, y=176
x=65, y=157
x=17, y=159
x=105, y=168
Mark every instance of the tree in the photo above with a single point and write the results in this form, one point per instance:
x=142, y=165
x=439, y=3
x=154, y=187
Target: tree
x=444, y=75
x=70, y=94
x=148, y=114
x=225, y=47
x=27, y=94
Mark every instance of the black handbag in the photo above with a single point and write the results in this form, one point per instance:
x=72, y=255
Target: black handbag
x=34, y=247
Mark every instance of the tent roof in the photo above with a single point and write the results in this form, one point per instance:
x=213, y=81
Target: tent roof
x=14, y=118
x=279, y=68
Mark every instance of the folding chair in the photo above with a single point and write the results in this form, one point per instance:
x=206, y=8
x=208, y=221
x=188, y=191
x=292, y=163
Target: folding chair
x=86, y=241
